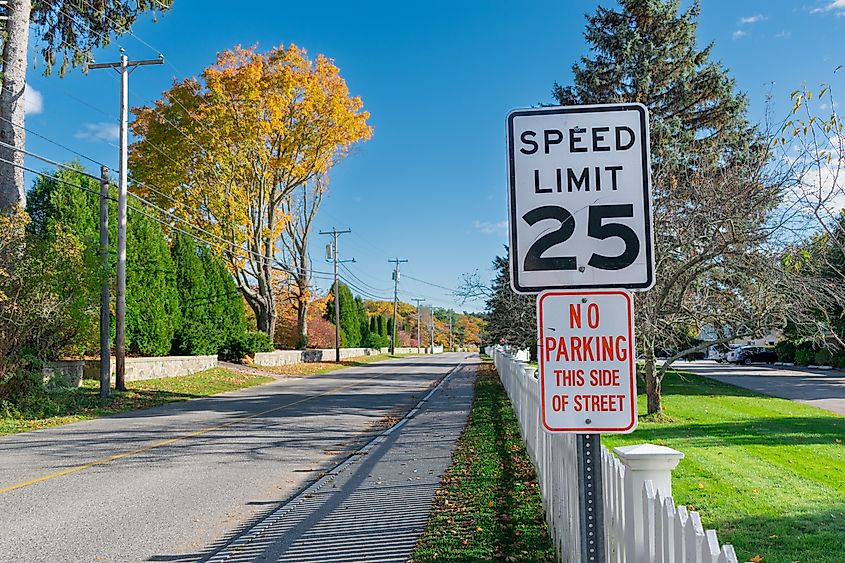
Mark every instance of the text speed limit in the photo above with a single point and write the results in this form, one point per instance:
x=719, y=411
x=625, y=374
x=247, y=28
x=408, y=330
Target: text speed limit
x=580, y=214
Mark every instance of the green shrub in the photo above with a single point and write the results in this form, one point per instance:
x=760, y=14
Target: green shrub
x=247, y=344
x=804, y=355
x=375, y=340
x=823, y=357
x=839, y=361
x=785, y=351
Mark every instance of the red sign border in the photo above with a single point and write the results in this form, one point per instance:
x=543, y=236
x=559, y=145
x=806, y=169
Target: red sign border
x=631, y=349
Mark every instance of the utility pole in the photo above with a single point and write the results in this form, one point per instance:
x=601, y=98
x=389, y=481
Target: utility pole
x=450, y=331
x=334, y=258
x=395, y=261
x=105, y=314
x=122, y=67
x=418, y=321
x=431, y=326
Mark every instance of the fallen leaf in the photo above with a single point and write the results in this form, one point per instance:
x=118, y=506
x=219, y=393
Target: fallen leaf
x=756, y=559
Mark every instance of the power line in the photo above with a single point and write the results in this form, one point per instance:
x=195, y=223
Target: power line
x=431, y=284
x=363, y=292
x=228, y=243
x=362, y=282
x=58, y=144
x=227, y=246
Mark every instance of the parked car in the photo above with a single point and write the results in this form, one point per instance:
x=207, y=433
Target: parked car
x=750, y=354
x=720, y=352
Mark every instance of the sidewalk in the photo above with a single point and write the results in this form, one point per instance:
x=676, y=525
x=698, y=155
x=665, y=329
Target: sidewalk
x=374, y=506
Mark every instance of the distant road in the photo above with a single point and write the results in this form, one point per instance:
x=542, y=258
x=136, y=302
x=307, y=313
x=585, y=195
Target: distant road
x=822, y=389
x=167, y=484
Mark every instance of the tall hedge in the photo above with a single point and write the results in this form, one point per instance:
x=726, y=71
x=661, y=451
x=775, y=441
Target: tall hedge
x=152, y=300
x=65, y=215
x=212, y=312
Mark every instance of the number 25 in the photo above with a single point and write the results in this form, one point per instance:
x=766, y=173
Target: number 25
x=596, y=228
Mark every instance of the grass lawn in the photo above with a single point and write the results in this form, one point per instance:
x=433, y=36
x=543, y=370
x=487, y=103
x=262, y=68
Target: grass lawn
x=768, y=474
x=317, y=368
x=488, y=507
x=73, y=405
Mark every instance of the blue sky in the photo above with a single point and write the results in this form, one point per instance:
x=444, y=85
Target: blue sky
x=438, y=78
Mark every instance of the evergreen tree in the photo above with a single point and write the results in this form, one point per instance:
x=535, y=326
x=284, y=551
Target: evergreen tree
x=645, y=51
x=373, y=325
x=389, y=327
x=511, y=317
x=227, y=305
x=350, y=326
x=152, y=300
x=196, y=332
x=211, y=307
x=382, y=328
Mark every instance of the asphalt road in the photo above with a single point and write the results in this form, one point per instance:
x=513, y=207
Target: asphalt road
x=166, y=483
x=820, y=388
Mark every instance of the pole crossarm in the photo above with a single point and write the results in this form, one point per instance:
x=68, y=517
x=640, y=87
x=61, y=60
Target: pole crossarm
x=118, y=64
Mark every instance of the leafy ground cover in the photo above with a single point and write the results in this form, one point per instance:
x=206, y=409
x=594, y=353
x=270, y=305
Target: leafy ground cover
x=766, y=473
x=488, y=507
x=72, y=405
x=317, y=368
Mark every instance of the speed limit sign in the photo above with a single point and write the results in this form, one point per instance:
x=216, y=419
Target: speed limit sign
x=580, y=198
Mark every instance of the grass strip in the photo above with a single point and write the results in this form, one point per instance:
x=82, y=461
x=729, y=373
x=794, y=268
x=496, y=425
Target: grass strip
x=318, y=368
x=73, y=405
x=488, y=506
x=765, y=473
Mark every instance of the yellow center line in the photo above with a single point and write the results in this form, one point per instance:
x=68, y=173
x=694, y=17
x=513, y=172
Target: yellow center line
x=193, y=434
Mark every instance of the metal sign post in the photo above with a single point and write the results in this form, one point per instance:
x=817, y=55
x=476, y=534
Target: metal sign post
x=580, y=218
x=590, y=499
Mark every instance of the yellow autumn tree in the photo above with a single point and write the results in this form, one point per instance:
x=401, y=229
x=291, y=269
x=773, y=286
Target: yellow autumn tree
x=226, y=150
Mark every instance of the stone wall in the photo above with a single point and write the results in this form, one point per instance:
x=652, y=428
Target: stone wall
x=69, y=370
x=288, y=357
x=138, y=369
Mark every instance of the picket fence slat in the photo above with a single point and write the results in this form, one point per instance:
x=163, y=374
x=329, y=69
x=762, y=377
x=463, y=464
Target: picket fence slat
x=640, y=525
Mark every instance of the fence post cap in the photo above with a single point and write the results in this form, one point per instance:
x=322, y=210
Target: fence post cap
x=648, y=456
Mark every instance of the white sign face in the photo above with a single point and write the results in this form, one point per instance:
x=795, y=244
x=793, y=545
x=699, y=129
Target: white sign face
x=587, y=376
x=580, y=198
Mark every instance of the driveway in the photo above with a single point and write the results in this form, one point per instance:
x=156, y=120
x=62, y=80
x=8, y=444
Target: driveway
x=819, y=388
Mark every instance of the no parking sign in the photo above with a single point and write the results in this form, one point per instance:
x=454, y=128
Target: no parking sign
x=587, y=363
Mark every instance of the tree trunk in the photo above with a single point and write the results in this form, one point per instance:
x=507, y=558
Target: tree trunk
x=12, y=188
x=302, y=323
x=652, y=383
x=302, y=278
x=265, y=315
x=262, y=302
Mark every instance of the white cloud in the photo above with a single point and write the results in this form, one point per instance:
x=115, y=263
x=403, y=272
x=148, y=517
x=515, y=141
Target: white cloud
x=783, y=35
x=488, y=228
x=738, y=33
x=102, y=131
x=33, y=101
x=837, y=6
x=753, y=19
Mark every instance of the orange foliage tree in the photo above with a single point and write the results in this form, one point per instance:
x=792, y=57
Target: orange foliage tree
x=225, y=152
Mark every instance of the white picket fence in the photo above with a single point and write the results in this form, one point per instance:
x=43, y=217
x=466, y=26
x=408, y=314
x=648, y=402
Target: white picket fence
x=642, y=523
